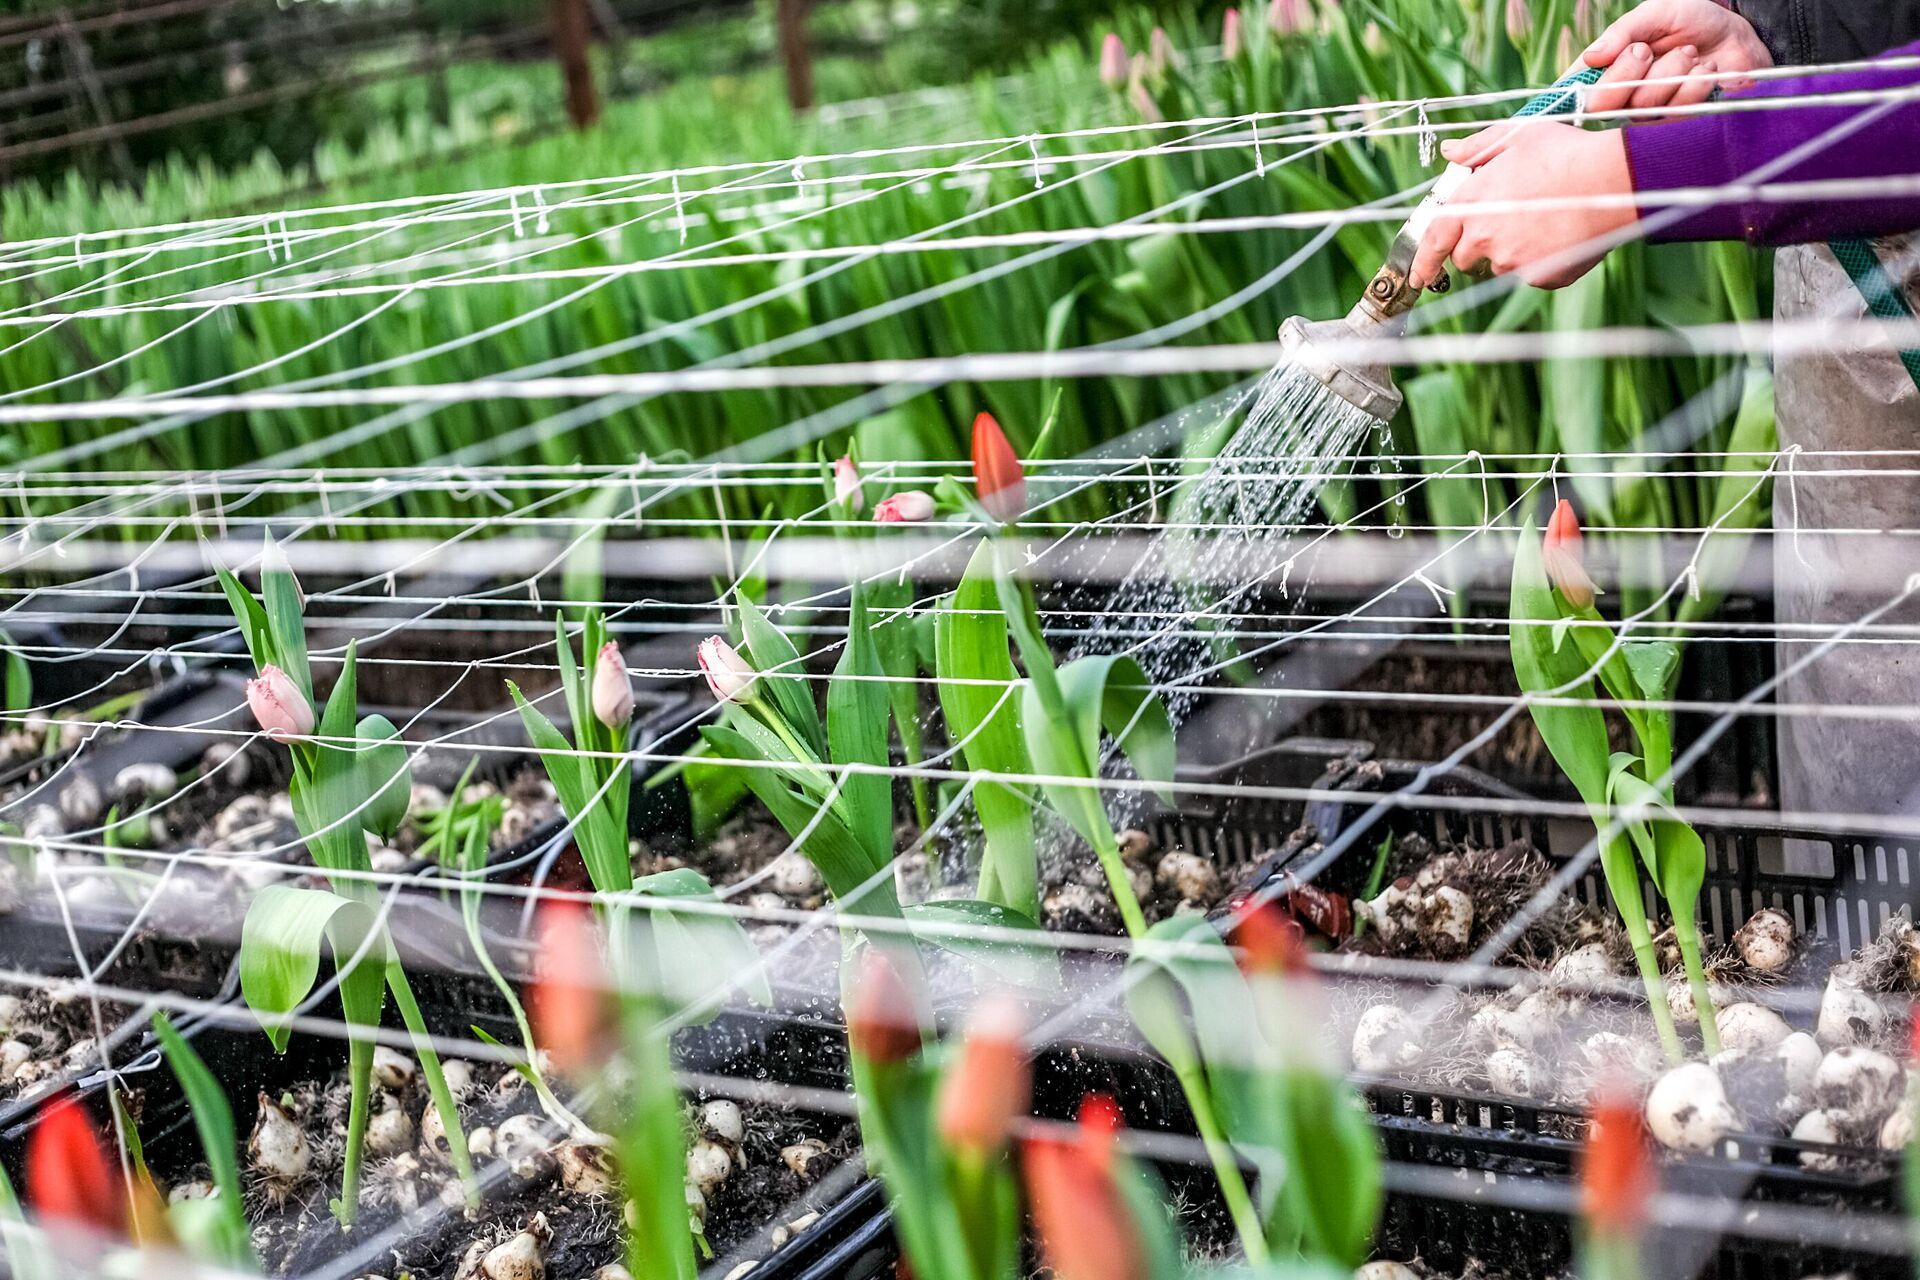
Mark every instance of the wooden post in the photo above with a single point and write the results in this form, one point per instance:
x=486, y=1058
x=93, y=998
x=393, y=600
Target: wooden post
x=81, y=59
x=569, y=18
x=794, y=53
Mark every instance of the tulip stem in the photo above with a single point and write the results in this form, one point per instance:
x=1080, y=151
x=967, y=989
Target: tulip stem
x=1226, y=1165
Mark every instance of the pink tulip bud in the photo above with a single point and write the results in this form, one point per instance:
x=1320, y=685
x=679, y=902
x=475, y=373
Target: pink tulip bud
x=1230, y=35
x=1289, y=17
x=1161, y=55
x=910, y=507
x=727, y=673
x=1519, y=22
x=612, y=690
x=1563, y=48
x=1143, y=104
x=278, y=704
x=1560, y=556
x=1583, y=24
x=846, y=484
x=1113, y=61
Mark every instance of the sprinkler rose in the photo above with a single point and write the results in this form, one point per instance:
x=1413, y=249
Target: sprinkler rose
x=910, y=507
x=728, y=675
x=612, y=690
x=278, y=704
x=1560, y=557
x=998, y=478
x=846, y=483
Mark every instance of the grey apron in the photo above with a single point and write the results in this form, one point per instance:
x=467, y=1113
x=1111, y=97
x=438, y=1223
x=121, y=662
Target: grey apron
x=1840, y=399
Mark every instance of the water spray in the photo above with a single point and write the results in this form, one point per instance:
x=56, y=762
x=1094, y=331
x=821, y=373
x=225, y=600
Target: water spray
x=1311, y=347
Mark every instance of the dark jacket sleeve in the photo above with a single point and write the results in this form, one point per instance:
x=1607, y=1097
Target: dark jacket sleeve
x=1805, y=32
x=1876, y=140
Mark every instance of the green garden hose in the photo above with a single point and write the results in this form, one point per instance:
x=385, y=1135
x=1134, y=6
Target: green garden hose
x=1883, y=300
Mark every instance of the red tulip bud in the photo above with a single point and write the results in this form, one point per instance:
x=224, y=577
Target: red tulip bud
x=998, y=478
x=569, y=1003
x=883, y=1026
x=1081, y=1214
x=1616, y=1178
x=991, y=1085
x=1271, y=942
x=70, y=1183
x=1560, y=556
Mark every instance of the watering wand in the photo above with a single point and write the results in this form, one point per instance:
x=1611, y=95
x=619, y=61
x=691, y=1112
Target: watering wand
x=1382, y=310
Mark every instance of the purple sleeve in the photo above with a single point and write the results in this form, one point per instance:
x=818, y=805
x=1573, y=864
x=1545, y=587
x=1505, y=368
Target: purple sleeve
x=1723, y=148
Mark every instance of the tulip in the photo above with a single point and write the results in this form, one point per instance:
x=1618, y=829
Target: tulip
x=998, y=479
x=1271, y=942
x=883, y=1026
x=568, y=1003
x=1230, y=34
x=727, y=673
x=991, y=1085
x=277, y=703
x=1583, y=23
x=1563, y=48
x=1079, y=1211
x=1289, y=17
x=612, y=690
x=1113, y=61
x=846, y=484
x=1560, y=556
x=69, y=1181
x=1143, y=104
x=910, y=507
x=1616, y=1178
x=1519, y=22
x=1161, y=54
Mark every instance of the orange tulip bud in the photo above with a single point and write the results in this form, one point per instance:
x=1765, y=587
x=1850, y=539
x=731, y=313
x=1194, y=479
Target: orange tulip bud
x=883, y=1025
x=999, y=481
x=1616, y=1178
x=70, y=1183
x=569, y=1003
x=991, y=1085
x=1560, y=556
x=1271, y=942
x=1085, y=1226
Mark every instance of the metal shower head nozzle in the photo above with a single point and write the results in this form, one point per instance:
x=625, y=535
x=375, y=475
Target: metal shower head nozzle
x=1369, y=388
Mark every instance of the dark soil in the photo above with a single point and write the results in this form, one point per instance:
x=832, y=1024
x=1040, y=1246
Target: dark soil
x=426, y=1241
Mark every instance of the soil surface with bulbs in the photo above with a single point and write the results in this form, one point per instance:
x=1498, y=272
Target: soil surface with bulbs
x=557, y=1204
x=1576, y=1019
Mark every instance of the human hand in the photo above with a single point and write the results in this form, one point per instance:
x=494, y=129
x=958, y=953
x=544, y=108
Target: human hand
x=1530, y=160
x=1663, y=39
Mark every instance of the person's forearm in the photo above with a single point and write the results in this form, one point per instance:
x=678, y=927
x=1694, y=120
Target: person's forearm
x=1866, y=141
